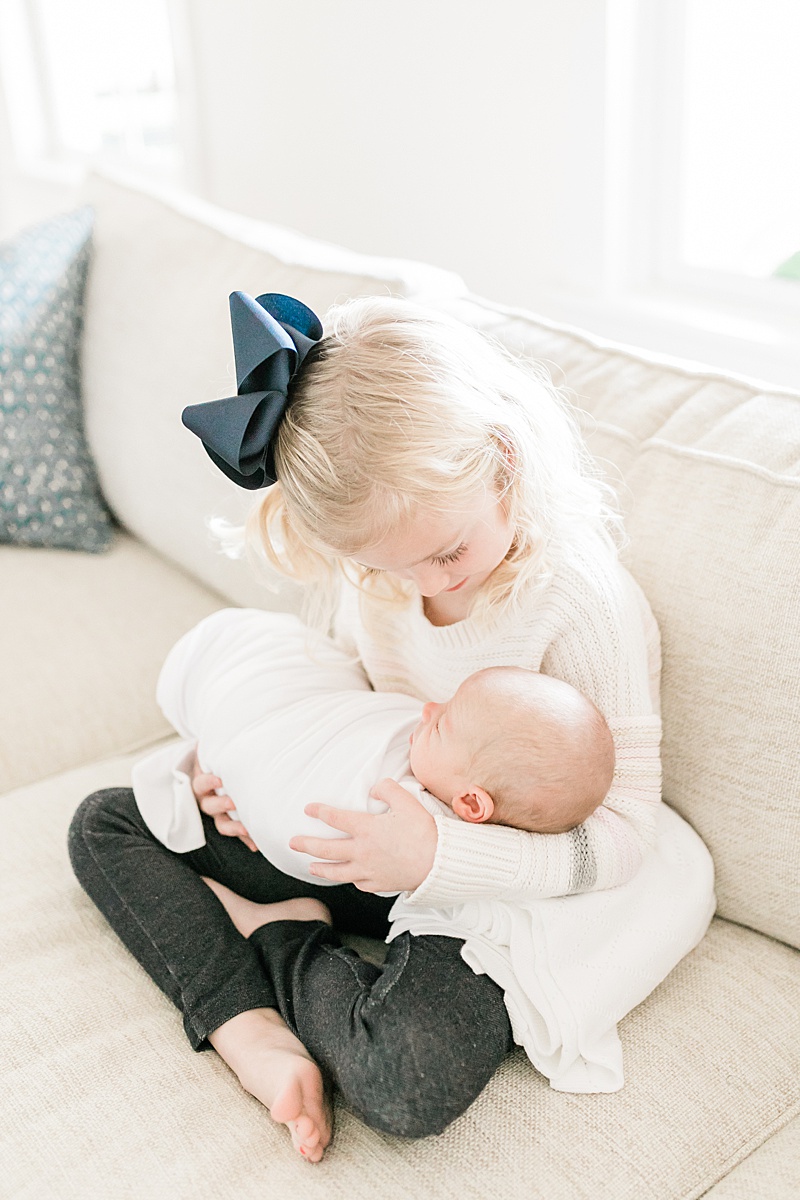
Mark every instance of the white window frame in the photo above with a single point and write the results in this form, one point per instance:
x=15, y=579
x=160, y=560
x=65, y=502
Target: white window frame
x=646, y=296
x=644, y=121
x=663, y=50
x=50, y=162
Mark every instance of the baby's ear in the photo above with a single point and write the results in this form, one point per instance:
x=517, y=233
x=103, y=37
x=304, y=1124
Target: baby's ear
x=475, y=806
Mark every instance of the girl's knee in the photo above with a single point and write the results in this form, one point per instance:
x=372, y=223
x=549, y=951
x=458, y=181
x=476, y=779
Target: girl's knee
x=99, y=813
x=98, y=807
x=400, y=1095
x=418, y=1112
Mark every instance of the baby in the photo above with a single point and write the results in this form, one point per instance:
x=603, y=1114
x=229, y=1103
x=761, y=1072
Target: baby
x=283, y=722
x=516, y=748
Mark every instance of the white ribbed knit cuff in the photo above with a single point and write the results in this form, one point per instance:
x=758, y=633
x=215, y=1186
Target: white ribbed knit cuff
x=472, y=861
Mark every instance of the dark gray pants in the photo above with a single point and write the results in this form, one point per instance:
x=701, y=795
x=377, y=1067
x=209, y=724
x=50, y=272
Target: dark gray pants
x=410, y=1044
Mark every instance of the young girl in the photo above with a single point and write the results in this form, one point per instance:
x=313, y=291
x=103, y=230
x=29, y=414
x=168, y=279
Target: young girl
x=434, y=495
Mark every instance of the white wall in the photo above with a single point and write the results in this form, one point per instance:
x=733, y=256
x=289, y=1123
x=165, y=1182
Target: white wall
x=27, y=197
x=460, y=132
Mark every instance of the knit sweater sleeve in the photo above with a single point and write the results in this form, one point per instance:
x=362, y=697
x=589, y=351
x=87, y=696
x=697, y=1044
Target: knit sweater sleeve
x=604, y=645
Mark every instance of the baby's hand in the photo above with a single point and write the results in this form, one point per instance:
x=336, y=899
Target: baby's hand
x=213, y=805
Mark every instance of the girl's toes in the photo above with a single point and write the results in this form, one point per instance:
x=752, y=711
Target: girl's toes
x=306, y=1131
x=305, y=1135
x=311, y=1155
x=306, y=1139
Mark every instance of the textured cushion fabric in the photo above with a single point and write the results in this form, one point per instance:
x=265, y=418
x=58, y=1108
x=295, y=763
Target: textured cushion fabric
x=158, y=338
x=772, y=1172
x=109, y=1099
x=708, y=470
x=82, y=639
x=49, y=494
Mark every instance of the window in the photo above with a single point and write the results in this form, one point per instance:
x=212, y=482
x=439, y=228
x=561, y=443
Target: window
x=739, y=168
x=702, y=184
x=704, y=104
x=725, y=167
x=91, y=80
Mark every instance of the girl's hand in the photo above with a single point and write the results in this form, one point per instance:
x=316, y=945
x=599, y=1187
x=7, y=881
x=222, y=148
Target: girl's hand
x=205, y=787
x=384, y=852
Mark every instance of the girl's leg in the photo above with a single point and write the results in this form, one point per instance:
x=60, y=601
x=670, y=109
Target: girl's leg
x=175, y=926
x=410, y=1044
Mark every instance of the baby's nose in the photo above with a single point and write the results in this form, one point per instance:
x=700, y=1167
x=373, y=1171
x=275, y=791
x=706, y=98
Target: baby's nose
x=428, y=710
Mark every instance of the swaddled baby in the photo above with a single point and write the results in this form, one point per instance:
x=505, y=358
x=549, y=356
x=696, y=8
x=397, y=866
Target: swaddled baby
x=283, y=722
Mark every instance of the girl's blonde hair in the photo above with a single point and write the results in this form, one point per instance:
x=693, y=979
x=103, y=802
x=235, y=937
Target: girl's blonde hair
x=401, y=411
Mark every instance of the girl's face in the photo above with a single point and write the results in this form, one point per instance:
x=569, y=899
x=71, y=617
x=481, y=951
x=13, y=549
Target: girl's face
x=445, y=553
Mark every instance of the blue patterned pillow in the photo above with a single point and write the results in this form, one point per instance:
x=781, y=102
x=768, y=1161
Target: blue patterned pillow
x=49, y=494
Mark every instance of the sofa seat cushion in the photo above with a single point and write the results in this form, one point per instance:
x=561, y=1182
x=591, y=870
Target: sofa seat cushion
x=82, y=639
x=708, y=471
x=772, y=1172
x=100, y=1084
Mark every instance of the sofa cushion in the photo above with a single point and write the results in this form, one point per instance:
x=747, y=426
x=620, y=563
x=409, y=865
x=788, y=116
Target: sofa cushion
x=157, y=338
x=82, y=640
x=49, y=494
x=102, y=1086
x=772, y=1172
x=708, y=470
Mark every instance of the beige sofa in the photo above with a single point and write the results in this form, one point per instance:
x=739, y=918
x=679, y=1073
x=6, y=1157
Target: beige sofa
x=102, y=1096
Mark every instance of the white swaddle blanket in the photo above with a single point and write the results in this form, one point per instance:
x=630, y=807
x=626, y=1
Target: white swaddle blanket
x=282, y=729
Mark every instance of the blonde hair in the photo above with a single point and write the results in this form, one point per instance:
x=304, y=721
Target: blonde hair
x=540, y=748
x=401, y=410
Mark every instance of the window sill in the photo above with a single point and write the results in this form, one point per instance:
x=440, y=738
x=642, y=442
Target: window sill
x=761, y=345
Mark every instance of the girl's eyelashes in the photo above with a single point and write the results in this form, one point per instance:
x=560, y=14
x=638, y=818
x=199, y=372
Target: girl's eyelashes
x=442, y=560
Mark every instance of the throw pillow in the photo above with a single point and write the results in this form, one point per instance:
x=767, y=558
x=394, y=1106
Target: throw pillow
x=49, y=493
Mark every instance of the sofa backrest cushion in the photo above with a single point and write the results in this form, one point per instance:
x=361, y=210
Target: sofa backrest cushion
x=708, y=471
x=157, y=338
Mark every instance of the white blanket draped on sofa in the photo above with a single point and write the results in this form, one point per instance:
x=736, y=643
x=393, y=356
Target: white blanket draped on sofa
x=571, y=967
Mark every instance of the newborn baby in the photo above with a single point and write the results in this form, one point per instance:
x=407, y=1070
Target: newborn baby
x=284, y=721
x=516, y=748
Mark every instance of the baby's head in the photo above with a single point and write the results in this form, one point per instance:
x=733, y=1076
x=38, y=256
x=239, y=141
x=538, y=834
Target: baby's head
x=515, y=747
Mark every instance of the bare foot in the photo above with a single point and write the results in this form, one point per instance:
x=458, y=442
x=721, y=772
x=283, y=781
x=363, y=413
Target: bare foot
x=248, y=916
x=275, y=1067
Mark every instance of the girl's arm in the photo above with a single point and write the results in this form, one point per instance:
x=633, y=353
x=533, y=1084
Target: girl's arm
x=440, y=862
x=474, y=861
x=605, y=644
x=600, y=636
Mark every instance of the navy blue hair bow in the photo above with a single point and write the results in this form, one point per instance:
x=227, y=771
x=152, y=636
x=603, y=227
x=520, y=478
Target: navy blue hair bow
x=271, y=337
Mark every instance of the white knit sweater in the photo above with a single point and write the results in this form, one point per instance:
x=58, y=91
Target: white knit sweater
x=591, y=627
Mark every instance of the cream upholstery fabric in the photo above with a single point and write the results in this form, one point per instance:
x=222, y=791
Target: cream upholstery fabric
x=157, y=337
x=108, y=1099
x=82, y=640
x=772, y=1172
x=711, y=471
x=105, y=1099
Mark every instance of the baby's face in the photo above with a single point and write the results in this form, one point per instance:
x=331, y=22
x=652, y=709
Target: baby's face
x=440, y=746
